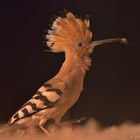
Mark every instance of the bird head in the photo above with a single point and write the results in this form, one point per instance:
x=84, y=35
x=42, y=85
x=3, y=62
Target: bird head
x=70, y=35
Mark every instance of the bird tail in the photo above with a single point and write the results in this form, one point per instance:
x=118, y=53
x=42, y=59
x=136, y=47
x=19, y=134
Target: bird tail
x=67, y=31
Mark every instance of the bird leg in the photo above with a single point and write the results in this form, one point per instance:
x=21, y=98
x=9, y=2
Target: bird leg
x=41, y=125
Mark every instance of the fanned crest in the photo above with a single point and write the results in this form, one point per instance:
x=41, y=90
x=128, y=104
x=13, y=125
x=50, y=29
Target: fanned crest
x=67, y=32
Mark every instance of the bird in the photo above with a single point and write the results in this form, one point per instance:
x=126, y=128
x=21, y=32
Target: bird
x=72, y=36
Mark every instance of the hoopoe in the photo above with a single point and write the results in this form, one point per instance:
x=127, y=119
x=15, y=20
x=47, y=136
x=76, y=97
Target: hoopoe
x=72, y=36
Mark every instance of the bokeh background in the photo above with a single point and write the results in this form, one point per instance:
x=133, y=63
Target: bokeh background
x=112, y=86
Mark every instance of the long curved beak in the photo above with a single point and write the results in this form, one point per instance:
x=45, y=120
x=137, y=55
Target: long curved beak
x=106, y=41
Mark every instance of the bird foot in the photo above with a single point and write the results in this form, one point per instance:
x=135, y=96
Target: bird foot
x=75, y=123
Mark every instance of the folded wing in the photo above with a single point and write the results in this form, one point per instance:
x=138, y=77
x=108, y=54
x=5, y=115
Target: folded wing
x=44, y=98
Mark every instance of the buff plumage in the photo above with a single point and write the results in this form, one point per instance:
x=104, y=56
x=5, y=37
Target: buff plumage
x=72, y=36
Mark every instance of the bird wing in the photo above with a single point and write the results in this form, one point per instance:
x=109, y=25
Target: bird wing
x=46, y=97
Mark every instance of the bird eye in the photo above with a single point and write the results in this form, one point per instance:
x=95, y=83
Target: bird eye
x=80, y=44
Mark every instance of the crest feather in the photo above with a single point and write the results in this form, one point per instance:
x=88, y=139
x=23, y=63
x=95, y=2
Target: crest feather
x=68, y=32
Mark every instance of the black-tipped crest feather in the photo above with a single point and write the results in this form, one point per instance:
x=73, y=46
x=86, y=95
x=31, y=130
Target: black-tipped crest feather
x=67, y=31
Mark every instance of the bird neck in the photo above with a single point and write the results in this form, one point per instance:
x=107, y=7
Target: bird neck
x=74, y=64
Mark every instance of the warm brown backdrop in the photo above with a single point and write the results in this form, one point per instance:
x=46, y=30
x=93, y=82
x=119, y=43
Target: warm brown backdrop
x=112, y=86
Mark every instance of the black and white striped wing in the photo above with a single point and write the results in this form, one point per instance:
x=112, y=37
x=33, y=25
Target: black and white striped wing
x=44, y=98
